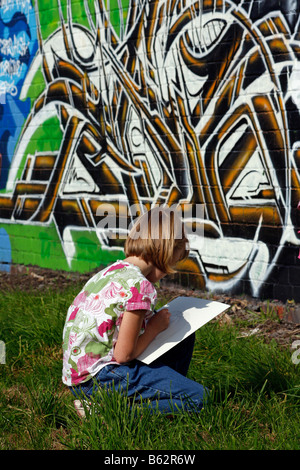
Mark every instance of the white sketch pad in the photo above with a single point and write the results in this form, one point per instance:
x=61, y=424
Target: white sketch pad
x=188, y=314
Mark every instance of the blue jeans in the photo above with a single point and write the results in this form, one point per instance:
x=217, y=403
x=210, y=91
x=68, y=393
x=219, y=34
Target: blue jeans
x=163, y=383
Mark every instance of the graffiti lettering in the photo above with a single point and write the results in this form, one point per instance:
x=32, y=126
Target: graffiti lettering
x=10, y=67
x=15, y=46
x=21, y=5
x=6, y=87
x=192, y=104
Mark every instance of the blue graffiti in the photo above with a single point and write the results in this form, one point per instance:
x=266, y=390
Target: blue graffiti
x=18, y=44
x=5, y=251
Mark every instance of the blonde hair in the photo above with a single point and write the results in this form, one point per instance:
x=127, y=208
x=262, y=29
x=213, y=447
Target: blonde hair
x=158, y=236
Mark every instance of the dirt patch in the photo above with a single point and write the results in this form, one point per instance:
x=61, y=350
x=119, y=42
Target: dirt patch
x=268, y=319
x=271, y=319
x=31, y=278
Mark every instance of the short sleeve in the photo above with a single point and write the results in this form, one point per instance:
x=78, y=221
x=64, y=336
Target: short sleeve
x=143, y=296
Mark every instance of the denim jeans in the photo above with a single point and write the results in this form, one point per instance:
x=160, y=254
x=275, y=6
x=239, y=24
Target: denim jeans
x=163, y=384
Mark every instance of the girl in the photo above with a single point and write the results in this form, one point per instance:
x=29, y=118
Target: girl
x=112, y=321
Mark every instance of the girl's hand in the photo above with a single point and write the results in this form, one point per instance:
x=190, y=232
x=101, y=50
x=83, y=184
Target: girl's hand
x=130, y=344
x=160, y=321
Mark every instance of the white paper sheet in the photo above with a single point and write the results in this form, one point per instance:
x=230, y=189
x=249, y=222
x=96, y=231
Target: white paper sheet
x=188, y=314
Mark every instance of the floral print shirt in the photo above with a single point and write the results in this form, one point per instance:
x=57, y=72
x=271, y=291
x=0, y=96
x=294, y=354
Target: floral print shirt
x=93, y=319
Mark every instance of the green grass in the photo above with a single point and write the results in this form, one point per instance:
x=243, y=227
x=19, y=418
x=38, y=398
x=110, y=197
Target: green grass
x=254, y=404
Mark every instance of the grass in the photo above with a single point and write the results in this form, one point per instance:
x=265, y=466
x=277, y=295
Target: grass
x=255, y=391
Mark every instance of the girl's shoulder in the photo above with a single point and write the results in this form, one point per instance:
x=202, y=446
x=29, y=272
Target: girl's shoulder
x=120, y=272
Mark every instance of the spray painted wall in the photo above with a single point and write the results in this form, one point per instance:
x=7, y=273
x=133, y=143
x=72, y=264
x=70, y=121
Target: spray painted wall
x=109, y=107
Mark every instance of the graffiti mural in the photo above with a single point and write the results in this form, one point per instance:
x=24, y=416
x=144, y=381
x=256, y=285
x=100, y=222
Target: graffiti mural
x=193, y=103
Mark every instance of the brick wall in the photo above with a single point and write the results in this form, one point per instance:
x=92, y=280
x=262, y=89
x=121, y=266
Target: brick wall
x=109, y=108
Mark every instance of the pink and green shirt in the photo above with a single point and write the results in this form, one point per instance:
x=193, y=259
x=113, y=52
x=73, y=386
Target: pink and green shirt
x=93, y=319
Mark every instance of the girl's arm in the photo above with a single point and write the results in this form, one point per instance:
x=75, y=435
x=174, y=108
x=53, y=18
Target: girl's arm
x=130, y=344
